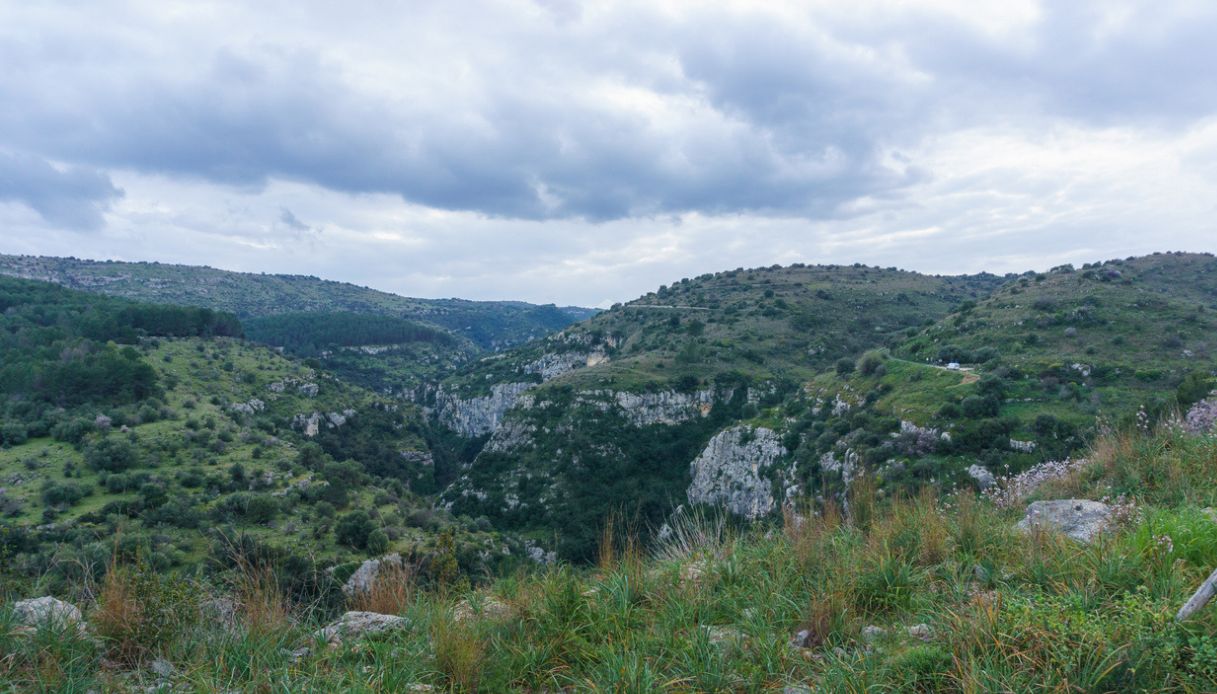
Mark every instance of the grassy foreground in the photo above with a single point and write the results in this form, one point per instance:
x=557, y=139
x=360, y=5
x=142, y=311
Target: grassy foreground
x=715, y=609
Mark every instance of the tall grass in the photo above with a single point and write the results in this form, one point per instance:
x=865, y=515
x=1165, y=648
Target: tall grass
x=1002, y=610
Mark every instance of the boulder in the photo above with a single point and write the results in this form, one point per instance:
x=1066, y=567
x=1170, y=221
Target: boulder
x=365, y=576
x=1080, y=519
x=984, y=479
x=46, y=610
x=356, y=625
x=921, y=632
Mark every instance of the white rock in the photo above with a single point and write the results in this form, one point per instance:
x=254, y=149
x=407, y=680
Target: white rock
x=729, y=472
x=984, y=478
x=48, y=611
x=1079, y=519
x=355, y=625
x=365, y=576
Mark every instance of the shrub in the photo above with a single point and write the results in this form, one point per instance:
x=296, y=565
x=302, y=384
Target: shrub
x=353, y=530
x=111, y=454
x=845, y=366
x=870, y=363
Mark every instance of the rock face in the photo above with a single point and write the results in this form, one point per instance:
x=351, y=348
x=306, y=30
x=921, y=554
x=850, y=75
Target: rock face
x=356, y=625
x=729, y=471
x=664, y=407
x=1080, y=519
x=365, y=576
x=554, y=364
x=478, y=416
x=48, y=611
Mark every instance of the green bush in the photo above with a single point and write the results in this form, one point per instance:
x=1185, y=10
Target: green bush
x=353, y=529
x=111, y=454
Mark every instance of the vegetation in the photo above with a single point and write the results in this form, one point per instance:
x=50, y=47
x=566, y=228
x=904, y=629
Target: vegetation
x=489, y=324
x=926, y=593
x=142, y=422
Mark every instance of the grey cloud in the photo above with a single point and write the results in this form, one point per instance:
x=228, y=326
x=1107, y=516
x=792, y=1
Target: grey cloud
x=482, y=109
x=74, y=197
x=289, y=219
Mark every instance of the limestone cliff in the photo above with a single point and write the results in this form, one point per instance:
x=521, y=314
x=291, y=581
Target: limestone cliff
x=730, y=471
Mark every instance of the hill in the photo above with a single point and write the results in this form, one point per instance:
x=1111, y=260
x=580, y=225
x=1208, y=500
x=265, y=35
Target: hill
x=748, y=388
x=613, y=410
x=488, y=324
x=152, y=431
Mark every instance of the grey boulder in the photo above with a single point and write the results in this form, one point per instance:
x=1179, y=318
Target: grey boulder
x=1080, y=519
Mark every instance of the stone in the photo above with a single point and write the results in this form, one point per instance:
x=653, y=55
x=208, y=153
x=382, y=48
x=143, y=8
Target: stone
x=357, y=625
x=722, y=635
x=1080, y=519
x=163, y=668
x=365, y=576
x=984, y=479
x=872, y=633
x=694, y=573
x=487, y=607
x=481, y=415
x=46, y=610
x=730, y=471
x=921, y=632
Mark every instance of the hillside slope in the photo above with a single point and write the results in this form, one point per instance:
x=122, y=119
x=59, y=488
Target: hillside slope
x=924, y=594
x=612, y=411
x=141, y=429
x=746, y=389
x=489, y=324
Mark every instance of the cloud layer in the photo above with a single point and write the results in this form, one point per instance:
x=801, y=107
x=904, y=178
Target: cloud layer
x=604, y=147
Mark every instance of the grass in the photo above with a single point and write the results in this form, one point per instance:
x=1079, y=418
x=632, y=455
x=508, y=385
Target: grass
x=1005, y=611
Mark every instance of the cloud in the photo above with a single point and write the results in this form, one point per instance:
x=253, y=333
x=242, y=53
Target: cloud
x=73, y=197
x=583, y=152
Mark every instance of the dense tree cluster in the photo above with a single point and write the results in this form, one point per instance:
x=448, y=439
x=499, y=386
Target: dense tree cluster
x=307, y=334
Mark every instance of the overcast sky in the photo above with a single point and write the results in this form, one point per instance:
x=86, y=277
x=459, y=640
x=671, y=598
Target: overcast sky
x=585, y=152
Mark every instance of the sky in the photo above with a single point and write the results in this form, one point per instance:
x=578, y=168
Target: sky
x=584, y=153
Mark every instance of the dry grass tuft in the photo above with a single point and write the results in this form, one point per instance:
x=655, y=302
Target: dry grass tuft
x=261, y=601
x=391, y=593
x=459, y=654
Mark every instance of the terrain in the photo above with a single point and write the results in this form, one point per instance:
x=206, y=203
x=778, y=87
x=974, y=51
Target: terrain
x=804, y=476
x=912, y=594
x=488, y=324
x=751, y=388
x=156, y=432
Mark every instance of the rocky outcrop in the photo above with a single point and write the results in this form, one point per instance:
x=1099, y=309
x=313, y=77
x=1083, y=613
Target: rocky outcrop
x=478, y=416
x=1079, y=519
x=48, y=611
x=251, y=406
x=645, y=409
x=311, y=424
x=1202, y=417
x=555, y=364
x=487, y=607
x=357, y=625
x=1022, y=446
x=729, y=472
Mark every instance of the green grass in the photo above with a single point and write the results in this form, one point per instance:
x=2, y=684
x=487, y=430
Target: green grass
x=1044, y=613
